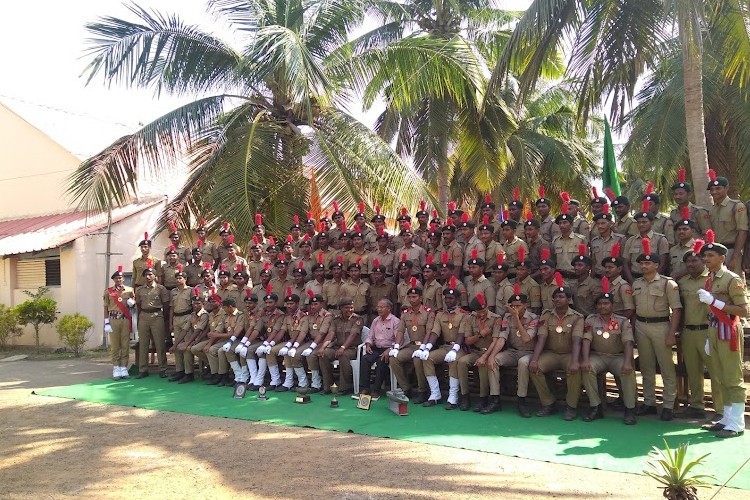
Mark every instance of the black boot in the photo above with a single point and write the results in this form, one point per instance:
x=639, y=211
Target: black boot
x=224, y=380
x=595, y=413
x=523, y=410
x=188, y=377
x=177, y=376
x=629, y=418
x=420, y=398
x=482, y=404
x=215, y=379
x=465, y=402
x=493, y=406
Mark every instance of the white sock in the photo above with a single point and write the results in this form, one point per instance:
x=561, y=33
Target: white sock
x=244, y=373
x=124, y=372
x=115, y=371
x=453, y=391
x=261, y=376
x=317, y=381
x=252, y=367
x=301, y=376
x=727, y=417
x=288, y=377
x=432, y=381
x=737, y=420
x=275, y=374
x=237, y=370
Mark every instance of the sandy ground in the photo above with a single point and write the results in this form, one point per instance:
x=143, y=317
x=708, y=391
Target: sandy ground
x=57, y=448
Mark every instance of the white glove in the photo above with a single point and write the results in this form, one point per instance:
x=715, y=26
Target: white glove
x=240, y=346
x=260, y=350
x=107, y=327
x=705, y=296
x=284, y=350
x=393, y=352
x=229, y=343
x=424, y=354
x=307, y=351
x=130, y=302
x=418, y=352
x=707, y=348
x=292, y=352
x=451, y=356
x=243, y=351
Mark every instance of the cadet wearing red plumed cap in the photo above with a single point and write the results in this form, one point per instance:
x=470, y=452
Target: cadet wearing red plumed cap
x=681, y=196
x=118, y=300
x=729, y=221
x=140, y=263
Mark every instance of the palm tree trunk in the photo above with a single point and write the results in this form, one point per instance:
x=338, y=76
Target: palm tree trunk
x=443, y=185
x=696, y=135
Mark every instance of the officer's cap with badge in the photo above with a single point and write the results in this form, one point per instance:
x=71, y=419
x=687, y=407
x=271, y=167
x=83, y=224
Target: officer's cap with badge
x=355, y=265
x=435, y=218
x=172, y=251
x=604, y=214
x=618, y=200
x=320, y=264
x=270, y=295
x=714, y=180
x=378, y=216
x=695, y=251
x=648, y=255
x=314, y=298
x=223, y=271
x=488, y=203
x=229, y=302
x=300, y=269
x=598, y=198
x=256, y=244
x=475, y=259
x=606, y=292
x=239, y=272
x=712, y=246
x=146, y=241
x=531, y=221
x=422, y=212
x=500, y=264
x=430, y=263
x=197, y=297
x=295, y=223
x=207, y=271
x=118, y=273
x=338, y=264
x=650, y=195
x=305, y=241
x=404, y=263
x=466, y=222
x=272, y=245
x=404, y=215
x=517, y=295
x=149, y=267
x=682, y=181
x=454, y=211
x=345, y=301
x=542, y=200
x=445, y=263
x=645, y=212
x=516, y=202
x=564, y=215
x=686, y=220
x=614, y=256
x=266, y=269
x=581, y=257
x=560, y=286
x=290, y=296
x=434, y=231
x=546, y=258
x=198, y=250
x=180, y=273
x=486, y=226
x=281, y=263
x=250, y=296
x=173, y=231
x=336, y=210
x=507, y=221
x=377, y=267
x=258, y=222
x=450, y=290
x=478, y=303
x=224, y=229
x=414, y=288
x=521, y=262
x=382, y=235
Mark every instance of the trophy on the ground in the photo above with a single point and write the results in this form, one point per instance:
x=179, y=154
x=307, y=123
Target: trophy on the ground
x=262, y=393
x=334, y=401
x=303, y=395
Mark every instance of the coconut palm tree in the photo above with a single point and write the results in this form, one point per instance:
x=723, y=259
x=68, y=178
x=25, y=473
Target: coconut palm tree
x=268, y=122
x=614, y=43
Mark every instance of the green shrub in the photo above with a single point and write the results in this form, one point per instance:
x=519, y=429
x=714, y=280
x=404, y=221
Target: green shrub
x=37, y=311
x=73, y=330
x=9, y=325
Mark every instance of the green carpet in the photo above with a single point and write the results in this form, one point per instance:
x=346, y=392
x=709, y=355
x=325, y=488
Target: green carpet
x=605, y=444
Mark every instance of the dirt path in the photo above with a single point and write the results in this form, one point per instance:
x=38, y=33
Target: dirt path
x=57, y=448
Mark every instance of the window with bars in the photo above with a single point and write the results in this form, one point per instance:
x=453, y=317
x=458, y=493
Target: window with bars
x=31, y=273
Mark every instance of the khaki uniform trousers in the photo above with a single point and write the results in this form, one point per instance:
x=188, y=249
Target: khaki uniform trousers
x=233, y=356
x=652, y=350
x=345, y=367
x=196, y=350
x=251, y=350
x=549, y=361
x=693, y=346
x=151, y=327
x=437, y=356
x=612, y=363
x=727, y=366
x=510, y=358
x=216, y=359
x=119, y=341
x=272, y=358
x=178, y=324
x=466, y=363
x=296, y=360
x=399, y=364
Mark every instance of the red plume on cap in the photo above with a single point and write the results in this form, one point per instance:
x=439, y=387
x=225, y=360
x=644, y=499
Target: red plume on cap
x=320, y=258
x=449, y=221
x=516, y=194
x=306, y=237
x=172, y=248
x=712, y=174
x=206, y=266
x=196, y=292
x=433, y=227
x=422, y=205
x=646, y=244
x=487, y=199
x=339, y=259
x=429, y=259
x=698, y=245
x=288, y=291
x=413, y=282
x=381, y=230
x=649, y=187
x=119, y=269
x=255, y=240
x=434, y=213
x=516, y=289
x=336, y=206
x=486, y=220
x=269, y=289
x=464, y=217
x=300, y=265
x=225, y=226
x=529, y=215
x=407, y=226
x=444, y=258
x=404, y=212
x=258, y=219
x=605, y=209
x=559, y=280
x=377, y=209
x=248, y=292
x=203, y=223
x=403, y=257
x=199, y=243
x=231, y=239
x=309, y=215
x=361, y=207
x=685, y=212
x=271, y=241
x=223, y=268
x=681, y=175
x=149, y=263
x=500, y=259
x=267, y=266
x=545, y=253
x=710, y=237
x=565, y=197
x=358, y=261
x=172, y=226
x=605, y=285
x=238, y=268
x=179, y=268
x=376, y=263
x=310, y=293
x=474, y=253
x=451, y=206
x=145, y=236
x=615, y=251
x=521, y=254
x=541, y=191
x=289, y=238
x=564, y=208
x=481, y=300
x=610, y=194
x=295, y=219
x=645, y=206
x=506, y=214
x=452, y=283
x=595, y=191
x=582, y=249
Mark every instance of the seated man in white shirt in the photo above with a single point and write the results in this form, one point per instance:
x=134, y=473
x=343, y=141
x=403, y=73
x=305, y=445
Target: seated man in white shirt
x=378, y=344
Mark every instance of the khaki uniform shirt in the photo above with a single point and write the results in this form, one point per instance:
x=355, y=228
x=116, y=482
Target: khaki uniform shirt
x=727, y=218
x=232, y=264
x=633, y=248
x=198, y=323
x=698, y=215
x=209, y=252
x=358, y=292
x=152, y=297
x=292, y=324
x=351, y=257
x=124, y=293
x=535, y=252
x=729, y=288
x=401, y=289
x=565, y=249
x=384, y=290
x=549, y=229
x=266, y=323
x=204, y=291
x=385, y=259
x=623, y=295
x=481, y=284
x=448, y=325
x=229, y=291
x=546, y=291
x=601, y=248
x=491, y=252
x=345, y=327
x=329, y=257
x=193, y=273
x=512, y=337
x=181, y=300
x=216, y=321
x=415, y=254
x=585, y=293
x=139, y=265
x=234, y=322
x=486, y=329
x=654, y=299
x=626, y=226
x=608, y=336
x=416, y=324
x=332, y=292
x=167, y=275
x=279, y=287
x=676, y=253
x=254, y=267
x=582, y=226
x=664, y=225
x=318, y=324
x=560, y=331
x=531, y=289
x=503, y=291
x=432, y=295
x=184, y=254
x=455, y=254
x=224, y=252
x=473, y=244
x=694, y=312
x=511, y=251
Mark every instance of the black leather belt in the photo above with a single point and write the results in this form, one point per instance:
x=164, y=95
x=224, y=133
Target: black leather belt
x=696, y=327
x=157, y=310
x=661, y=319
x=116, y=315
x=183, y=313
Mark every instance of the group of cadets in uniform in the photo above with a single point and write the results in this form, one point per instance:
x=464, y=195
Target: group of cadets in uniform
x=535, y=293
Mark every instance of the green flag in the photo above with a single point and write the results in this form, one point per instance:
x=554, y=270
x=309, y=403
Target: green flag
x=609, y=168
